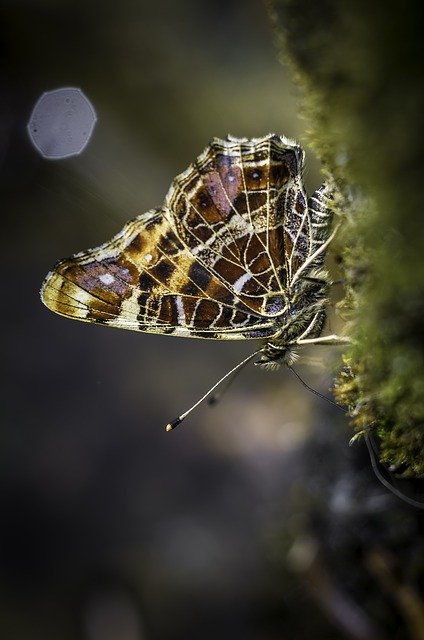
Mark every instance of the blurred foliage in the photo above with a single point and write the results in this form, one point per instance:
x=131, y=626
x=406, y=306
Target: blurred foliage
x=360, y=68
x=347, y=551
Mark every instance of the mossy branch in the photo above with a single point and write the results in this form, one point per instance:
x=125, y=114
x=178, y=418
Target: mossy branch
x=360, y=72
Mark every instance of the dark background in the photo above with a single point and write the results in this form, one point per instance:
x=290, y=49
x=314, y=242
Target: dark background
x=110, y=528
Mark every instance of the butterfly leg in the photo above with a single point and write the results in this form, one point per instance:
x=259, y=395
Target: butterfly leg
x=326, y=340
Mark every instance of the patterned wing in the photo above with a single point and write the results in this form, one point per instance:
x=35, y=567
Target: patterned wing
x=229, y=209
x=146, y=279
x=216, y=261
x=306, y=230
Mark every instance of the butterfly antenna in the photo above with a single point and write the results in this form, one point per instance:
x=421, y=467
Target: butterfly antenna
x=174, y=423
x=216, y=397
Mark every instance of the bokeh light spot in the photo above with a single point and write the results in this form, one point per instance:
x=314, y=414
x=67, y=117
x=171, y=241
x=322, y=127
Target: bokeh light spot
x=62, y=123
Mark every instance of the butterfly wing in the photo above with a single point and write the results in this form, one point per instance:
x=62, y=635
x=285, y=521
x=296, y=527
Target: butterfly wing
x=215, y=261
x=145, y=279
x=307, y=226
x=229, y=210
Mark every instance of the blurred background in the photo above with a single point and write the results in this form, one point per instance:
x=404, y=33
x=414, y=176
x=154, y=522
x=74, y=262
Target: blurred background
x=255, y=520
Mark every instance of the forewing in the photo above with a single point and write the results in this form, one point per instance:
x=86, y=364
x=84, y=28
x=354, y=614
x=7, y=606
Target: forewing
x=146, y=279
x=228, y=210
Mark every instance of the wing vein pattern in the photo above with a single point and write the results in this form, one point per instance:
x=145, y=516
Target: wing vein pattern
x=217, y=260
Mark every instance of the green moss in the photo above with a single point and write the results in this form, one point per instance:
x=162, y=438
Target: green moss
x=360, y=71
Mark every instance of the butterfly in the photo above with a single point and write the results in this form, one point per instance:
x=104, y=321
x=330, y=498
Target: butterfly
x=236, y=252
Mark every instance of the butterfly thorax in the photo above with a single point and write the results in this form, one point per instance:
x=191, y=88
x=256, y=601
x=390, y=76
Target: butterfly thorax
x=304, y=317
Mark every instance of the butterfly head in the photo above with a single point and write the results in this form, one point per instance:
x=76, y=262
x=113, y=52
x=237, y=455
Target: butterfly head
x=277, y=353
